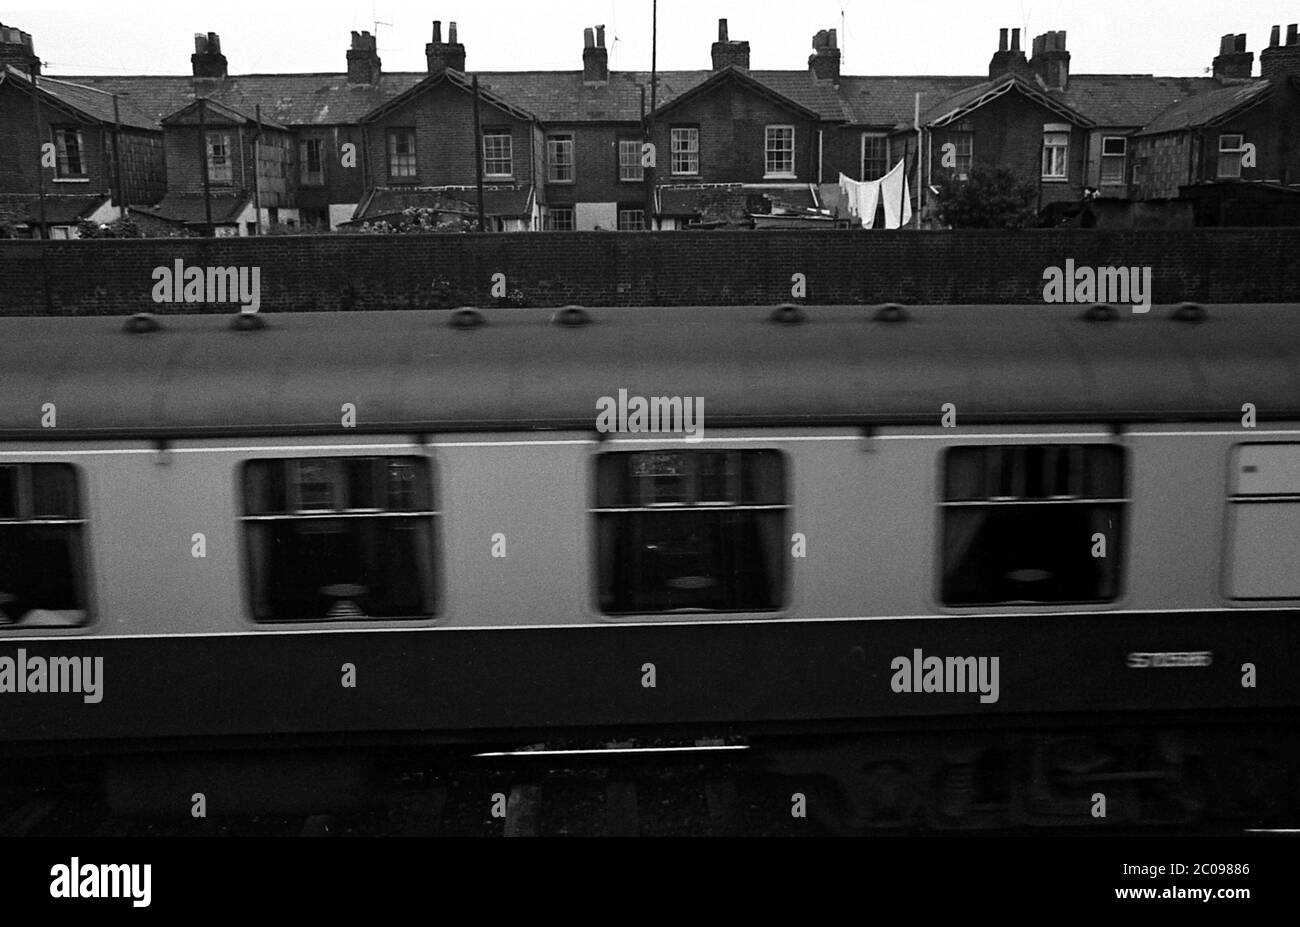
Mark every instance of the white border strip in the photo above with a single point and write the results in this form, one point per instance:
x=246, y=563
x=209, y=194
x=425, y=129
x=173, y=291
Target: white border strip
x=612, y=623
x=613, y=751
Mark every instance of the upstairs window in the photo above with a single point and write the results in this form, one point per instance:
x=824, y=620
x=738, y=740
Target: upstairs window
x=1056, y=152
x=875, y=155
x=401, y=153
x=311, y=157
x=42, y=546
x=559, y=158
x=339, y=538
x=1020, y=524
x=1231, y=149
x=498, y=157
x=964, y=143
x=629, y=160
x=1114, y=151
x=220, y=169
x=779, y=146
x=69, y=146
x=691, y=531
x=685, y=151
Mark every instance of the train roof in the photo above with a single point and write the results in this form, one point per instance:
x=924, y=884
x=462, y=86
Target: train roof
x=414, y=372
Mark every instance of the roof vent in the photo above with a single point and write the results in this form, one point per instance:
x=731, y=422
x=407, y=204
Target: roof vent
x=788, y=314
x=467, y=317
x=248, y=322
x=1101, y=312
x=1189, y=312
x=572, y=317
x=891, y=312
x=142, y=323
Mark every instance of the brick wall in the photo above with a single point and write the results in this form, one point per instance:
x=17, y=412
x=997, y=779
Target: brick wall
x=301, y=273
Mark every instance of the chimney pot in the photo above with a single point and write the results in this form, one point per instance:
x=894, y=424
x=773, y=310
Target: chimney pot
x=201, y=41
x=1226, y=44
x=588, y=38
x=722, y=30
x=1002, y=40
x=600, y=36
x=1273, y=37
x=451, y=34
x=1241, y=42
x=437, y=31
x=1291, y=37
x=1015, y=40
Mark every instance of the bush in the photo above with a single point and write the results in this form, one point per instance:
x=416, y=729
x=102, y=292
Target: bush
x=987, y=199
x=118, y=228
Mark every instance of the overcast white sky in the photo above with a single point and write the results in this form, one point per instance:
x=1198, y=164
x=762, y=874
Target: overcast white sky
x=1171, y=37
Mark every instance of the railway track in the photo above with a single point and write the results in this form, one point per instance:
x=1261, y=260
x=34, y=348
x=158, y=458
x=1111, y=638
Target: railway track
x=615, y=790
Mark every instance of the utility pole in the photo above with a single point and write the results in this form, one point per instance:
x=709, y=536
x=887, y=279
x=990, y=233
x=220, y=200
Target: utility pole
x=117, y=160
x=478, y=159
x=40, y=154
x=651, y=171
x=208, y=230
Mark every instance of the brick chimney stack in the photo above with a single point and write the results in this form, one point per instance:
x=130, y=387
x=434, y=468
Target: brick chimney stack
x=595, y=57
x=443, y=55
x=1233, y=61
x=1280, y=61
x=1051, y=62
x=824, y=62
x=16, y=50
x=363, y=60
x=728, y=54
x=1008, y=59
x=207, y=60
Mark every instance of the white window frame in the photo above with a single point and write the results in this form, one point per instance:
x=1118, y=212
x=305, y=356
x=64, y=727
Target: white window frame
x=957, y=137
x=629, y=160
x=1056, y=152
x=220, y=168
x=556, y=146
x=551, y=216
x=774, y=137
x=492, y=151
x=627, y=213
x=1234, y=172
x=1121, y=158
x=401, y=164
x=862, y=154
x=684, y=142
x=62, y=169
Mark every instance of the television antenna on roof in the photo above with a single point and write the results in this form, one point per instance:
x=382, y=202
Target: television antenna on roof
x=376, y=22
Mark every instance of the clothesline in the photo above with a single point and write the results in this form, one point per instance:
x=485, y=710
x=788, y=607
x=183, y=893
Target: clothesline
x=864, y=196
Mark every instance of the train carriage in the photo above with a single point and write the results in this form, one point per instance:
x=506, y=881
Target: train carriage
x=975, y=565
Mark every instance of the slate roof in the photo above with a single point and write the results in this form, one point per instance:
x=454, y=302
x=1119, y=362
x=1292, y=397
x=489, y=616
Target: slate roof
x=93, y=104
x=59, y=209
x=1118, y=100
x=1207, y=107
x=189, y=208
x=188, y=115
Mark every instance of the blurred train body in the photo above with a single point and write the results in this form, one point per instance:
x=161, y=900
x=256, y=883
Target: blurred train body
x=1114, y=516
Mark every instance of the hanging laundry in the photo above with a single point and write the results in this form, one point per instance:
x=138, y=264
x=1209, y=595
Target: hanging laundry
x=897, y=195
x=862, y=197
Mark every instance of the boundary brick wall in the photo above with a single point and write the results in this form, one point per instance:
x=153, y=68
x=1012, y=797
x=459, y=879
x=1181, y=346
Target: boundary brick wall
x=307, y=273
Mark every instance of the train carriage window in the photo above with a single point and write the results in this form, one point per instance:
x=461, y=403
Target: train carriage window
x=690, y=531
x=1019, y=524
x=1264, y=522
x=42, y=546
x=340, y=538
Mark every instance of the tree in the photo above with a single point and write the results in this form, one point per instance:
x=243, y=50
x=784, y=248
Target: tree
x=987, y=199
